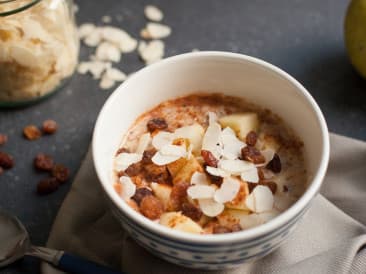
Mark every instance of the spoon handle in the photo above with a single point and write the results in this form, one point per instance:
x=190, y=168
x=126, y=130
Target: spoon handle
x=69, y=263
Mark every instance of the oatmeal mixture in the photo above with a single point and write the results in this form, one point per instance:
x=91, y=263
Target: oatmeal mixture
x=210, y=164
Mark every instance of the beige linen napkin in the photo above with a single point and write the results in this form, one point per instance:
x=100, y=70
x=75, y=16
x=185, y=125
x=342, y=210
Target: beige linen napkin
x=329, y=239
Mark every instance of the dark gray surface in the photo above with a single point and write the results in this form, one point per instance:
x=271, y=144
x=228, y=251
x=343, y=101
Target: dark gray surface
x=305, y=38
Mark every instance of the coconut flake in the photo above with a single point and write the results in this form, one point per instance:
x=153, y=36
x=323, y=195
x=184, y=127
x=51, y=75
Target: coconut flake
x=199, y=178
x=124, y=160
x=210, y=207
x=173, y=150
x=231, y=144
x=85, y=30
x=250, y=175
x=217, y=172
x=144, y=142
x=152, y=51
x=201, y=191
x=193, y=133
x=161, y=159
x=96, y=68
x=128, y=187
x=106, y=19
x=260, y=200
x=120, y=38
x=94, y=38
x=153, y=13
x=268, y=155
x=106, y=83
x=212, y=138
x=107, y=51
x=235, y=167
x=162, y=139
x=228, y=190
x=155, y=31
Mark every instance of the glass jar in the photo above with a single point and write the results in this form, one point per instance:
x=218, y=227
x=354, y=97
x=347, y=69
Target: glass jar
x=39, y=48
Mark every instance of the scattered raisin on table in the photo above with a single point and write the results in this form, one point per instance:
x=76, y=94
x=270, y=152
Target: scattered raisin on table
x=6, y=160
x=191, y=211
x=156, y=123
x=3, y=139
x=49, y=126
x=251, y=138
x=140, y=194
x=43, y=162
x=47, y=186
x=252, y=154
x=151, y=207
x=60, y=172
x=209, y=158
x=32, y=132
x=275, y=164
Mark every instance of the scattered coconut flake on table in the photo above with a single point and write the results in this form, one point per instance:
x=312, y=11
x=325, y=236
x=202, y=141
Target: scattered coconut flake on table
x=93, y=39
x=120, y=38
x=107, y=51
x=210, y=207
x=115, y=74
x=152, y=51
x=86, y=29
x=228, y=190
x=153, y=13
x=106, y=83
x=199, y=178
x=128, y=187
x=96, y=68
x=124, y=160
x=155, y=31
x=106, y=19
x=200, y=191
x=260, y=200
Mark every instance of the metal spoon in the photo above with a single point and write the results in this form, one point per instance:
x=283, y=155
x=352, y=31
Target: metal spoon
x=15, y=243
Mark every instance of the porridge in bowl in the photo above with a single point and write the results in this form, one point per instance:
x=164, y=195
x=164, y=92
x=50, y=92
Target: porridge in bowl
x=210, y=164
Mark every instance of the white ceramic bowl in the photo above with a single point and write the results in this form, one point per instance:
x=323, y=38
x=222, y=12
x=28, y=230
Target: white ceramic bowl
x=231, y=74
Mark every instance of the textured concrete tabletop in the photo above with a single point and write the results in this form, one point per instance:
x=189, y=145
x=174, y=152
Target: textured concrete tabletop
x=305, y=38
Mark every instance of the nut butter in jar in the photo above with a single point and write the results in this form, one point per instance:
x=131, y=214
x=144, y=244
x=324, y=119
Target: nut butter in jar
x=39, y=48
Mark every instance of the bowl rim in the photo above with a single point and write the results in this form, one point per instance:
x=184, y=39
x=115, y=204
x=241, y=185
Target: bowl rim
x=247, y=234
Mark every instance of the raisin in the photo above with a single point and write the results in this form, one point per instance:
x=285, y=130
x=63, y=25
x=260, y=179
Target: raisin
x=252, y=154
x=47, y=185
x=191, y=211
x=285, y=188
x=260, y=173
x=49, y=127
x=217, y=180
x=6, y=161
x=219, y=229
x=178, y=195
x=31, y=132
x=236, y=227
x=251, y=138
x=156, y=123
x=151, y=207
x=3, y=139
x=122, y=150
x=147, y=155
x=141, y=193
x=61, y=173
x=43, y=162
x=251, y=186
x=275, y=164
x=133, y=169
x=155, y=173
x=209, y=158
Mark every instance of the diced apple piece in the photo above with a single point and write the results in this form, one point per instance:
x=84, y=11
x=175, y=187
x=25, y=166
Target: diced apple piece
x=230, y=217
x=162, y=192
x=178, y=221
x=194, y=134
x=186, y=172
x=239, y=200
x=241, y=123
x=176, y=166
